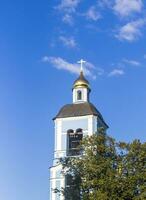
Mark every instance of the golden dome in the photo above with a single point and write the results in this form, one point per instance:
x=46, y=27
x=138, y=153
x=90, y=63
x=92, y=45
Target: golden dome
x=81, y=82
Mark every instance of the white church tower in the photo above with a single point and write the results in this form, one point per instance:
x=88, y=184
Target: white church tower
x=72, y=123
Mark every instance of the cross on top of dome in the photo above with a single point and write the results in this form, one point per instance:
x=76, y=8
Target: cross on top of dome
x=81, y=62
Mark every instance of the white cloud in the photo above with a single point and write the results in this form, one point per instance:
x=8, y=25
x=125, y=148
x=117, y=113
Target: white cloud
x=68, y=19
x=131, y=31
x=68, y=5
x=132, y=62
x=105, y=3
x=68, y=8
x=127, y=7
x=69, y=42
x=93, y=14
x=116, y=72
x=74, y=68
x=99, y=71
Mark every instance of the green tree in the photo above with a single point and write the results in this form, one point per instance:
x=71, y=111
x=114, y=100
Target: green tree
x=106, y=170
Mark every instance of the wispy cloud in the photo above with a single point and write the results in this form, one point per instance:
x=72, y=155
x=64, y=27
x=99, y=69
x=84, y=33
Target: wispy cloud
x=125, y=8
x=116, y=72
x=68, y=19
x=106, y=3
x=93, y=14
x=68, y=42
x=74, y=68
x=131, y=31
x=97, y=70
x=132, y=62
x=68, y=5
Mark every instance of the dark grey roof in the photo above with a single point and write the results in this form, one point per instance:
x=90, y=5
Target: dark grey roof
x=81, y=109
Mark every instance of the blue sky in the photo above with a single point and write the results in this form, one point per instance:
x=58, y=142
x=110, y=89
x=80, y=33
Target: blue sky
x=40, y=44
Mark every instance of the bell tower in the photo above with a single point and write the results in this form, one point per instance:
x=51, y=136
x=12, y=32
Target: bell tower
x=73, y=122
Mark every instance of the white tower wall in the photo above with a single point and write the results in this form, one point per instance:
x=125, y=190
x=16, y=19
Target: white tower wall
x=84, y=95
x=89, y=125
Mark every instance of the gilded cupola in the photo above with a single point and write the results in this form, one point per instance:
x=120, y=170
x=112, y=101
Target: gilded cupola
x=81, y=82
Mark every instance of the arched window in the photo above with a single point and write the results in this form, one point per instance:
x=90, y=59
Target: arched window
x=70, y=131
x=79, y=95
x=79, y=130
x=74, y=139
